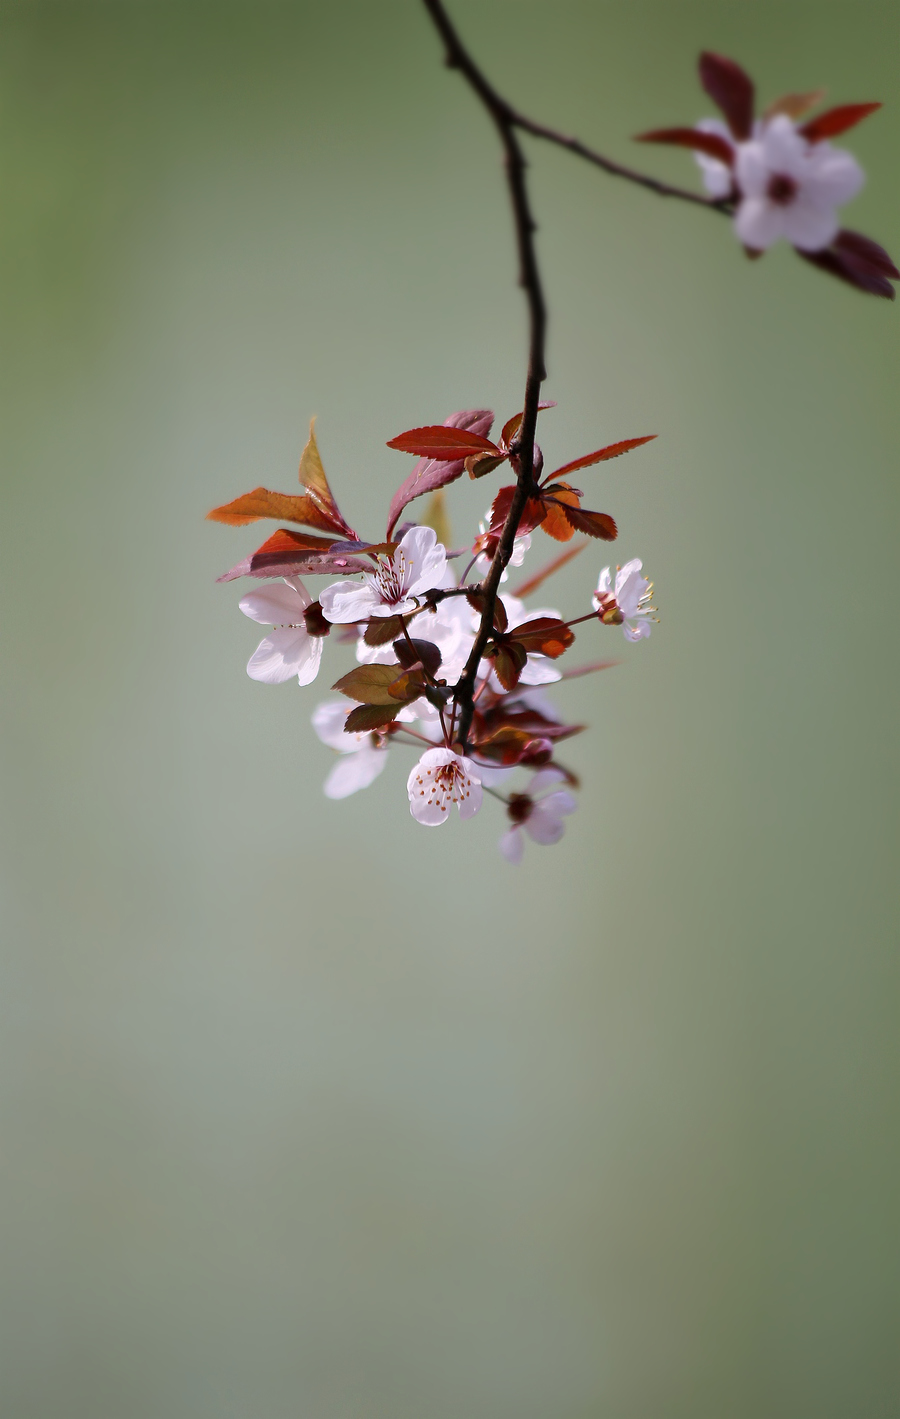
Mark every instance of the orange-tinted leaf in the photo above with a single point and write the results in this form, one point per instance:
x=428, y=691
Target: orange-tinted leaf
x=441, y=442
x=709, y=143
x=732, y=89
x=479, y=464
x=287, y=507
x=286, y=540
x=794, y=105
x=533, y=582
x=595, y=524
x=545, y=635
x=476, y=599
x=612, y=450
x=505, y=746
x=410, y=685
x=365, y=717
x=556, y=523
x=369, y=684
x=836, y=120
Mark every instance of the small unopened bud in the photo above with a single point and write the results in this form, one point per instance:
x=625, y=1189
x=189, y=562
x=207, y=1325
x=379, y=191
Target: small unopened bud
x=538, y=751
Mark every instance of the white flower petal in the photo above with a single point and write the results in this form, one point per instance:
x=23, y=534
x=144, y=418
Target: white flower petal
x=426, y=560
x=328, y=720
x=759, y=223
x=512, y=844
x=539, y=670
x=280, y=656
x=275, y=605
x=604, y=585
x=637, y=630
x=347, y=601
x=440, y=779
x=751, y=170
x=544, y=778
x=784, y=150
x=835, y=177
x=543, y=825
x=809, y=227
x=355, y=771
x=561, y=803
x=308, y=667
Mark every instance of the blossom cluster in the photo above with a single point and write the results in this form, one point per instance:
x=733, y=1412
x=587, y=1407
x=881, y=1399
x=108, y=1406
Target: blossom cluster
x=449, y=661
x=780, y=177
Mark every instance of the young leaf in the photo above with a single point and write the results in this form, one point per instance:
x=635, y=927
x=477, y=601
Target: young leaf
x=794, y=105
x=382, y=629
x=411, y=652
x=732, y=89
x=410, y=685
x=429, y=474
x=545, y=635
x=435, y=516
x=511, y=427
x=479, y=464
x=476, y=599
x=836, y=120
x=594, y=524
x=312, y=477
x=287, y=507
x=509, y=660
x=580, y=670
x=612, y=450
x=287, y=549
x=369, y=684
x=859, y=261
x=442, y=442
x=365, y=717
x=556, y=522
x=709, y=143
x=865, y=252
x=532, y=516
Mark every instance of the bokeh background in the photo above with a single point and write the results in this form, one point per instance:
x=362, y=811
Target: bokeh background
x=308, y=1111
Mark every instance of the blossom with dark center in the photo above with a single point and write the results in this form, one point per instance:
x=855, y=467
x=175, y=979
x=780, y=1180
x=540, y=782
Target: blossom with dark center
x=791, y=188
x=440, y=779
x=417, y=565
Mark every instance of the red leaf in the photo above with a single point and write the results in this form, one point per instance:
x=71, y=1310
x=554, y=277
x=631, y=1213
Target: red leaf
x=532, y=516
x=479, y=464
x=369, y=684
x=709, y=143
x=866, y=252
x=612, y=450
x=288, y=553
x=425, y=653
x=509, y=660
x=511, y=427
x=595, y=524
x=732, y=89
x=545, y=635
x=382, y=629
x=836, y=120
x=442, y=442
x=850, y=268
x=430, y=473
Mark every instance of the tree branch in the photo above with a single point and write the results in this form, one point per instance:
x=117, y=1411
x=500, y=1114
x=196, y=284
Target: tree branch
x=507, y=120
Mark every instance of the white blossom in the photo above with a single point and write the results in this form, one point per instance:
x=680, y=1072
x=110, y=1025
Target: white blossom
x=628, y=603
x=440, y=779
x=540, y=817
x=289, y=649
x=417, y=565
x=791, y=188
x=363, y=756
x=717, y=176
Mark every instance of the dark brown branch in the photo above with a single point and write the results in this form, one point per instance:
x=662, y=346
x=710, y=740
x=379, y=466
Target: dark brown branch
x=530, y=281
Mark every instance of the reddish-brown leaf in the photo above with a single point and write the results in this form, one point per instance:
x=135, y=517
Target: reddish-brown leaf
x=287, y=507
x=836, y=120
x=480, y=464
x=580, y=670
x=410, y=685
x=429, y=474
x=594, y=524
x=533, y=513
x=426, y=653
x=865, y=253
x=612, y=450
x=365, y=717
x=476, y=599
x=369, y=684
x=545, y=635
x=442, y=442
x=527, y=587
x=850, y=269
x=709, y=143
x=511, y=427
x=382, y=629
x=509, y=660
x=732, y=89
x=556, y=523
x=506, y=746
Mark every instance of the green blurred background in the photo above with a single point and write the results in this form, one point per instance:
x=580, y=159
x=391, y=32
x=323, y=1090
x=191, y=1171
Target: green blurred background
x=308, y=1111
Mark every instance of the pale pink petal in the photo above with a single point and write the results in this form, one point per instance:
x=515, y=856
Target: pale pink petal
x=545, y=778
x=347, y=601
x=512, y=844
x=355, y=771
x=759, y=223
x=783, y=148
x=308, y=667
x=492, y=775
x=809, y=227
x=539, y=670
x=300, y=589
x=637, y=631
x=835, y=177
x=426, y=560
x=604, y=585
x=275, y=605
x=561, y=802
x=328, y=720
x=544, y=826
x=440, y=779
x=279, y=657
x=751, y=170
